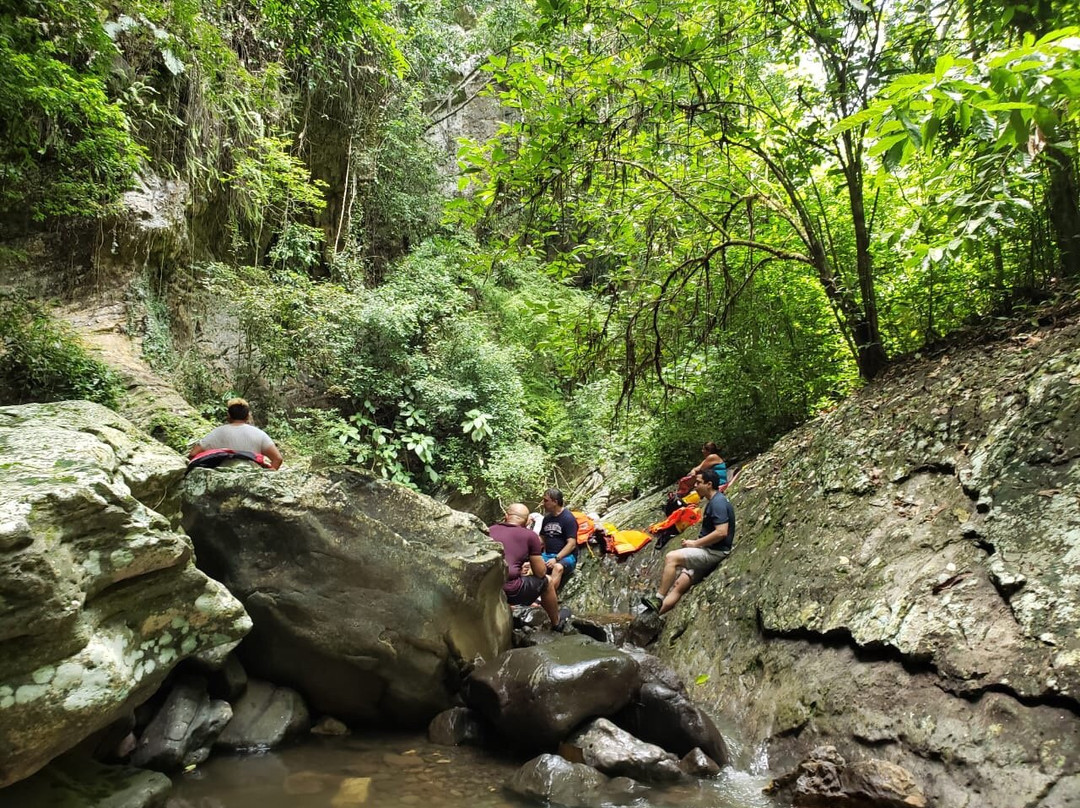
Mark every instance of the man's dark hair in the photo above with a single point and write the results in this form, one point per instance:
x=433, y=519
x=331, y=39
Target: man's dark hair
x=555, y=495
x=238, y=409
x=710, y=477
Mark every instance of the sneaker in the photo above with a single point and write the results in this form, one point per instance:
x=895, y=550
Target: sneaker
x=652, y=603
x=561, y=626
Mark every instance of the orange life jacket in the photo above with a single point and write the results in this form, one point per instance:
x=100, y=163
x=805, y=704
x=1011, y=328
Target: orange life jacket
x=585, y=527
x=680, y=520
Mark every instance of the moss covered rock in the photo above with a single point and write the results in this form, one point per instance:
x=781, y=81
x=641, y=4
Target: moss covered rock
x=905, y=581
x=99, y=596
x=368, y=598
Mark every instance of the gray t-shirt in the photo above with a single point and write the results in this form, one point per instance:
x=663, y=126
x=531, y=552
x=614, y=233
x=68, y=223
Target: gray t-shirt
x=239, y=438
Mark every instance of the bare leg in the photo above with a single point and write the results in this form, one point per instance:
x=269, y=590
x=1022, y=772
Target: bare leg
x=672, y=562
x=556, y=576
x=682, y=585
x=550, y=601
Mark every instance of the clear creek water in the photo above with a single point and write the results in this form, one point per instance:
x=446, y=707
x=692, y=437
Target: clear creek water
x=398, y=771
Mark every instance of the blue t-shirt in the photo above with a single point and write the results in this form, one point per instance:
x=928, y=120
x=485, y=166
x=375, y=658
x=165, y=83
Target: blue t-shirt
x=555, y=530
x=717, y=511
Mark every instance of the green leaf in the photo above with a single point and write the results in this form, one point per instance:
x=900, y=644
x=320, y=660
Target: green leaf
x=942, y=66
x=882, y=145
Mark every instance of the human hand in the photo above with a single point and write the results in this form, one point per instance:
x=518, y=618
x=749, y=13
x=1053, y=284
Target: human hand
x=689, y=543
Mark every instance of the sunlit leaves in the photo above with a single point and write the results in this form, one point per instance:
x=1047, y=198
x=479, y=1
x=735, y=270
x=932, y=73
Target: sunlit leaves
x=1010, y=99
x=310, y=29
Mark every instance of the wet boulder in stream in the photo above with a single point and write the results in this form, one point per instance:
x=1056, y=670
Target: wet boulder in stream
x=537, y=696
x=184, y=728
x=616, y=752
x=663, y=713
x=456, y=726
x=697, y=764
x=553, y=780
x=368, y=598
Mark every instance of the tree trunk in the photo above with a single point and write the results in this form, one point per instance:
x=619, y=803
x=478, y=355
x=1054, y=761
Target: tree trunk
x=870, y=353
x=1063, y=203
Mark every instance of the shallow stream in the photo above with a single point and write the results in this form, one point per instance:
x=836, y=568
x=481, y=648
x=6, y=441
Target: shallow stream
x=397, y=771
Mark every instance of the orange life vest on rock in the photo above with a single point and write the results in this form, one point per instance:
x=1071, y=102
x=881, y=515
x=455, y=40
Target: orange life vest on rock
x=680, y=520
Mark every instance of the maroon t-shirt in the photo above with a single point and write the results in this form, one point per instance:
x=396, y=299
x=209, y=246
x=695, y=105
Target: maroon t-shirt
x=518, y=544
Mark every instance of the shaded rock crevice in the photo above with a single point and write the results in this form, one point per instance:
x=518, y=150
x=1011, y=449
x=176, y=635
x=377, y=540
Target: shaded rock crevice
x=913, y=664
x=1052, y=700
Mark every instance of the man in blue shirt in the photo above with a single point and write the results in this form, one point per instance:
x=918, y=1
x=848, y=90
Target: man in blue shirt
x=558, y=530
x=697, y=557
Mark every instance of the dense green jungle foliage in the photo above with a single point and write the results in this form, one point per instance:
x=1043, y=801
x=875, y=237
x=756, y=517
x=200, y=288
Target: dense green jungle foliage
x=697, y=221
x=43, y=361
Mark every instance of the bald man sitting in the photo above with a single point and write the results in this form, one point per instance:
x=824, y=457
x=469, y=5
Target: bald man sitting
x=521, y=545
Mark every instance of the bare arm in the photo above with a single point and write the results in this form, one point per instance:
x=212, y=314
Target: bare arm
x=275, y=456
x=707, y=463
x=709, y=538
x=537, y=565
x=195, y=449
x=571, y=545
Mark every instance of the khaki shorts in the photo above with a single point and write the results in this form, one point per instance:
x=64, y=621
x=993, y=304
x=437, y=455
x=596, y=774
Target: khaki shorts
x=699, y=561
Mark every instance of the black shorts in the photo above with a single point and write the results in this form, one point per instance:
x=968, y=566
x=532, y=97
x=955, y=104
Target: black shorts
x=530, y=589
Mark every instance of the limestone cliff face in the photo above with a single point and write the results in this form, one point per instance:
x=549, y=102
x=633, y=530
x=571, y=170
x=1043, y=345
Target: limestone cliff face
x=906, y=580
x=99, y=596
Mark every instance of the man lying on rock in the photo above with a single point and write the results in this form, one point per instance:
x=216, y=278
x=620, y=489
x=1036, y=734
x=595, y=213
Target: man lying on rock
x=521, y=545
x=239, y=437
x=697, y=557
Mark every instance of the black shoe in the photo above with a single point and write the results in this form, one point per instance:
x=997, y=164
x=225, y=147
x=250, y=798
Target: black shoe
x=652, y=603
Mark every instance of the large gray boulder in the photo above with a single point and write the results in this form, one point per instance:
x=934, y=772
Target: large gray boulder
x=99, y=598
x=617, y=753
x=536, y=696
x=663, y=713
x=369, y=599
x=553, y=780
x=264, y=717
x=905, y=580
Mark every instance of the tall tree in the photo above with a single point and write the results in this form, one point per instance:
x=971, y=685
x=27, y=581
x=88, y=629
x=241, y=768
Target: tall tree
x=712, y=126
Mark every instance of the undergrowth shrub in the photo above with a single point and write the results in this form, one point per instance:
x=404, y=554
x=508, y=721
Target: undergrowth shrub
x=65, y=142
x=426, y=378
x=41, y=360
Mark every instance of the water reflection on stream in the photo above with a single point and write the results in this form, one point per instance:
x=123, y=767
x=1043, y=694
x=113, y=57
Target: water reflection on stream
x=405, y=770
